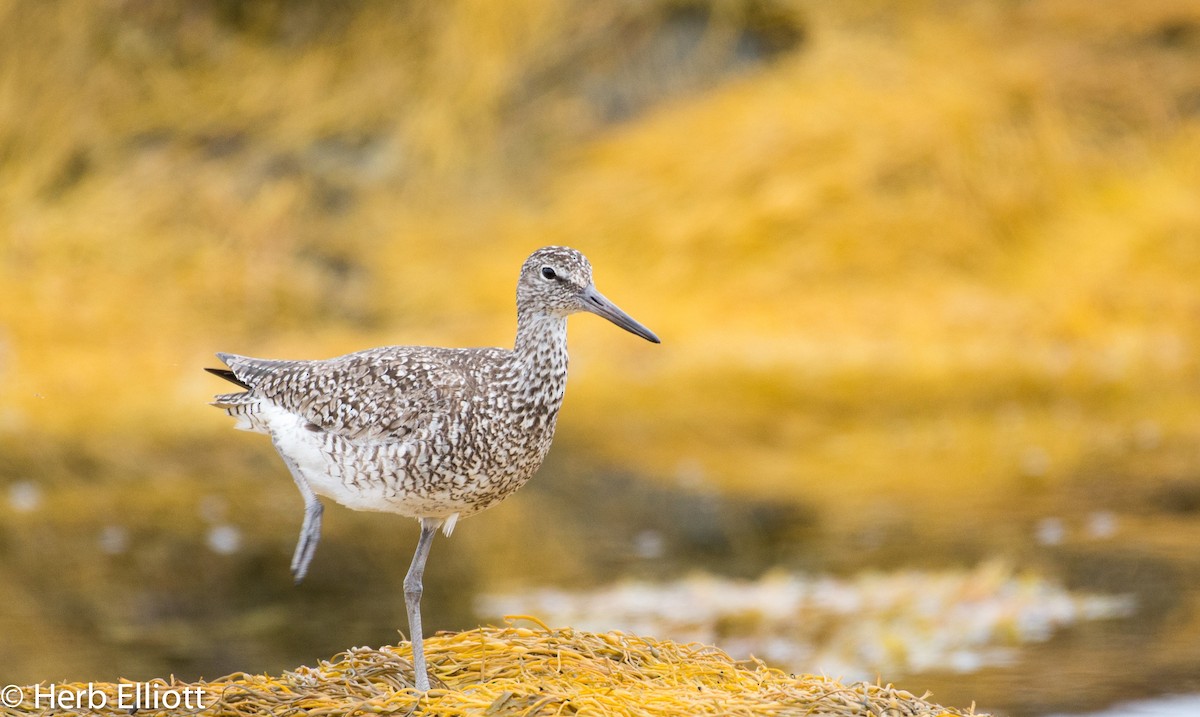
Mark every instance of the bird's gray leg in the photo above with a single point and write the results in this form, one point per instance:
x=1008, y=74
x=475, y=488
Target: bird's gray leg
x=310, y=530
x=412, y=600
x=310, y=534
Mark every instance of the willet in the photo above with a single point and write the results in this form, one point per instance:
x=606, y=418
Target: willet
x=434, y=434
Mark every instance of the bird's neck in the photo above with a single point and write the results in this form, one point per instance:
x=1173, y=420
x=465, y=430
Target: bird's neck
x=541, y=352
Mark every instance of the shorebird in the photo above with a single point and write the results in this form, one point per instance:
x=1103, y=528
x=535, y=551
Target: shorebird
x=435, y=434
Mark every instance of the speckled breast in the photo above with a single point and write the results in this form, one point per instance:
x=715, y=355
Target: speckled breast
x=465, y=461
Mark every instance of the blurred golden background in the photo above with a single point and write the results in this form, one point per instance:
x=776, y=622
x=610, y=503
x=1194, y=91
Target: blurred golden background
x=925, y=274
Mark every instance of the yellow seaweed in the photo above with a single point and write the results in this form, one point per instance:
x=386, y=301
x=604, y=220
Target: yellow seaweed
x=515, y=670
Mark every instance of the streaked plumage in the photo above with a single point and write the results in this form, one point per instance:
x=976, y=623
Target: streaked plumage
x=435, y=434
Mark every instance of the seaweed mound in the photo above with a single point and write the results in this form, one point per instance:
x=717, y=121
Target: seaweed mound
x=509, y=671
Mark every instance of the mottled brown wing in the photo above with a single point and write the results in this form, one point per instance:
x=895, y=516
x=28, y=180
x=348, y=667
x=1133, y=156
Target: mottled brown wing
x=389, y=393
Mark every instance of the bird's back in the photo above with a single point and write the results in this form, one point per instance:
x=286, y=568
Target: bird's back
x=385, y=393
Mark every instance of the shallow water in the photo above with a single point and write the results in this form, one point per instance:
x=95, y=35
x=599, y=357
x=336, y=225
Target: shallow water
x=164, y=581
x=1168, y=706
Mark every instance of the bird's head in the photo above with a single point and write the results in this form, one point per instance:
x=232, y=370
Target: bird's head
x=557, y=281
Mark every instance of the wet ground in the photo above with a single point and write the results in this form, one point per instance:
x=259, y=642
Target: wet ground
x=146, y=582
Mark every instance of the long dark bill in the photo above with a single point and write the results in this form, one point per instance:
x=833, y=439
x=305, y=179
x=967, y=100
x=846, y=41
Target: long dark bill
x=595, y=302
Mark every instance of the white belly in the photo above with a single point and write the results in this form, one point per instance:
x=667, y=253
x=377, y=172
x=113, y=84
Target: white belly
x=350, y=480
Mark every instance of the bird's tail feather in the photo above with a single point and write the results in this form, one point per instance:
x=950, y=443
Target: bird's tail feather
x=228, y=376
x=242, y=406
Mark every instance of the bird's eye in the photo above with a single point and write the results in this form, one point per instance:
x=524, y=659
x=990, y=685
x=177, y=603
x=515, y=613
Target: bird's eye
x=549, y=273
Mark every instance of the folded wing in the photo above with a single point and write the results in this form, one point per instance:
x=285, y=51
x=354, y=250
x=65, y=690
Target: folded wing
x=385, y=394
